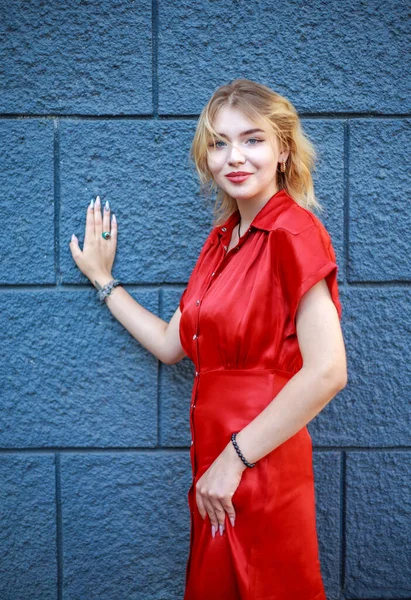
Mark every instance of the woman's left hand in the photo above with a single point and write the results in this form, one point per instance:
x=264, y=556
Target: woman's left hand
x=216, y=487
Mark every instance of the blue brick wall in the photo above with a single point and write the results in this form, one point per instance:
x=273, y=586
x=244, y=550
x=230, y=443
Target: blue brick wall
x=101, y=97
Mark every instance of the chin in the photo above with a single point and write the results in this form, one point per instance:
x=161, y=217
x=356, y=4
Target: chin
x=246, y=193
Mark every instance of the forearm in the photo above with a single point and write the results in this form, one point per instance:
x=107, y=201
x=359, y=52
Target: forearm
x=148, y=329
x=298, y=402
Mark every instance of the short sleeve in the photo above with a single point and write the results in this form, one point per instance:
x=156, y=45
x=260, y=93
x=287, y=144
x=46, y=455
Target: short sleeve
x=182, y=300
x=305, y=258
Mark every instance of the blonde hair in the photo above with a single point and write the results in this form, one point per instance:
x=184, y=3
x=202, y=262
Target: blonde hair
x=262, y=105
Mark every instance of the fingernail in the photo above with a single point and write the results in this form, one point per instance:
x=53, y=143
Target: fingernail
x=73, y=237
x=232, y=521
x=221, y=529
x=213, y=530
x=98, y=200
x=113, y=216
x=107, y=206
x=91, y=204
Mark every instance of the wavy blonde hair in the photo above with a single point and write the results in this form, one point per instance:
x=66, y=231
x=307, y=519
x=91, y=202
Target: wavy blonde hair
x=263, y=106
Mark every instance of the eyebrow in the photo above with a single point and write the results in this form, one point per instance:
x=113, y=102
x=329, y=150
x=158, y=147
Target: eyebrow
x=244, y=132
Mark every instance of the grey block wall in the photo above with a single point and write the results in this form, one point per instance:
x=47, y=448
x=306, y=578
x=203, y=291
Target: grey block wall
x=102, y=97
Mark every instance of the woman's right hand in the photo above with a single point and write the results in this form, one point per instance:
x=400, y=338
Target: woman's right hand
x=97, y=257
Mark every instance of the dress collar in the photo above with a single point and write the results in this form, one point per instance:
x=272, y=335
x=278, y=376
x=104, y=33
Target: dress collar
x=265, y=218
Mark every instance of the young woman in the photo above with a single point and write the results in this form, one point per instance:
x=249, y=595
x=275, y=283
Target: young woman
x=260, y=319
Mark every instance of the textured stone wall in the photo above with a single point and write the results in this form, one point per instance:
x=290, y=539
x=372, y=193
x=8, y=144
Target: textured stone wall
x=101, y=97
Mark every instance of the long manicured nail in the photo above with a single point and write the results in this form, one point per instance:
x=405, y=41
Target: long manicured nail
x=232, y=521
x=91, y=204
x=221, y=529
x=107, y=205
x=113, y=216
x=98, y=200
x=213, y=530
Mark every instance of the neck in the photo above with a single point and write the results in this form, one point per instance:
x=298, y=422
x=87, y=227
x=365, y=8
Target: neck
x=249, y=208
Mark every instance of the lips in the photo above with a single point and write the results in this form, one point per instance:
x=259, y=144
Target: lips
x=238, y=177
x=237, y=173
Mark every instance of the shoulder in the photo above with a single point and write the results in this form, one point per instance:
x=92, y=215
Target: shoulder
x=301, y=236
x=297, y=219
x=299, y=222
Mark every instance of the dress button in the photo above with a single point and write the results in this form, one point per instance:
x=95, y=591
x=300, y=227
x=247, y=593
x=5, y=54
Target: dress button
x=192, y=442
x=225, y=247
x=224, y=229
x=198, y=302
x=196, y=373
x=195, y=336
x=212, y=274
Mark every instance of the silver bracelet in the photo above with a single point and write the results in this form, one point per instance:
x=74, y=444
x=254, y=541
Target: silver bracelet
x=106, y=289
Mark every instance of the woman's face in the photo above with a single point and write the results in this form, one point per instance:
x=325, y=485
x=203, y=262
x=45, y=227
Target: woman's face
x=255, y=152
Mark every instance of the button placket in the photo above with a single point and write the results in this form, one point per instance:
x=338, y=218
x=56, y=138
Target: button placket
x=197, y=373
x=194, y=395
x=195, y=339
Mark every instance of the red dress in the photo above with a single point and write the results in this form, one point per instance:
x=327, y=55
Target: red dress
x=238, y=328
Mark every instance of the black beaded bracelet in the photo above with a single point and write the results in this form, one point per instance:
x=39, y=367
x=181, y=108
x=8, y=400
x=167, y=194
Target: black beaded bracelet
x=233, y=436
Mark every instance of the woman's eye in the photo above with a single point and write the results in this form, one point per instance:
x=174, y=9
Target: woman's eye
x=215, y=144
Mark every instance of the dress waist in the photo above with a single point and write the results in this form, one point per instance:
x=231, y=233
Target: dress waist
x=221, y=371
x=237, y=390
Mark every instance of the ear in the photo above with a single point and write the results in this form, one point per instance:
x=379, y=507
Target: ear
x=284, y=155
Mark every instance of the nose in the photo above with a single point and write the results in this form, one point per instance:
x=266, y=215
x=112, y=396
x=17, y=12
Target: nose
x=235, y=155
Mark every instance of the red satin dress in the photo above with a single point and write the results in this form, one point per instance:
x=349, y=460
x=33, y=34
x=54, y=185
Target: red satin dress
x=238, y=328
